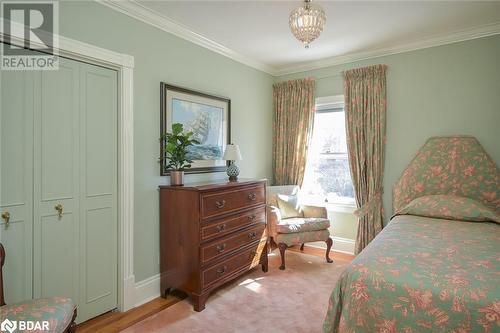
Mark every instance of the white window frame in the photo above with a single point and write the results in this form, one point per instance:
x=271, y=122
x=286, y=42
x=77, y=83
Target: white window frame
x=329, y=102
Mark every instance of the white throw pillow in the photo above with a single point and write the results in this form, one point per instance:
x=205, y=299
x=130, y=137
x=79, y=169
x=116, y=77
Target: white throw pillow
x=289, y=206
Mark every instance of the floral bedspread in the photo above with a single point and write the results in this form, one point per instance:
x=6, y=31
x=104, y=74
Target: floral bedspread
x=422, y=275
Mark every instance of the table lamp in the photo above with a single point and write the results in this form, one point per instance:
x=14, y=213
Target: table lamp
x=232, y=154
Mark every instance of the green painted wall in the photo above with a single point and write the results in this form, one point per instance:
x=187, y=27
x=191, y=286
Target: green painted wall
x=344, y=225
x=450, y=89
x=160, y=56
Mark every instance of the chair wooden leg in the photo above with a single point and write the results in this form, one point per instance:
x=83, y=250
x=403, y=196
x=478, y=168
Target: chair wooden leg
x=329, y=243
x=302, y=247
x=263, y=259
x=72, y=326
x=282, y=247
x=271, y=245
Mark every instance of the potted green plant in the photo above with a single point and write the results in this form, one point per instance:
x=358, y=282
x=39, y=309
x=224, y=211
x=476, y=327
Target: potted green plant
x=174, y=150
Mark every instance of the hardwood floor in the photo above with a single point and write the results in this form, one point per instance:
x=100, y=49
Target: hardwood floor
x=117, y=321
x=321, y=253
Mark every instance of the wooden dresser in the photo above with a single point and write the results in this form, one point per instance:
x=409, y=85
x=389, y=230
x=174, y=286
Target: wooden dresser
x=210, y=234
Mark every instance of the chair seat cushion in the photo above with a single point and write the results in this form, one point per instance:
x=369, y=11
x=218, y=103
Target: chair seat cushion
x=57, y=311
x=302, y=224
x=302, y=237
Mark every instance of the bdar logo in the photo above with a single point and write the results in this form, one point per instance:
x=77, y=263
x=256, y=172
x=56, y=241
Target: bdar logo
x=8, y=325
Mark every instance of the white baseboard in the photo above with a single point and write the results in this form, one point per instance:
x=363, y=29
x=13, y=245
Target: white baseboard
x=128, y=300
x=343, y=245
x=147, y=290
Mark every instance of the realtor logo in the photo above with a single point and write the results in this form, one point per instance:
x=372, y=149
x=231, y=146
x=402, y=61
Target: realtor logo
x=8, y=326
x=30, y=32
x=24, y=326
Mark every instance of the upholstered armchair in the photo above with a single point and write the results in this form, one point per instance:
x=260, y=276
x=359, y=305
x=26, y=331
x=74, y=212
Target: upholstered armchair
x=58, y=312
x=290, y=223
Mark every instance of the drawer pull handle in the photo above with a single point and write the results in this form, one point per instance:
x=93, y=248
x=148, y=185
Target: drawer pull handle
x=221, y=248
x=220, y=204
x=252, y=196
x=252, y=217
x=252, y=235
x=221, y=228
x=221, y=270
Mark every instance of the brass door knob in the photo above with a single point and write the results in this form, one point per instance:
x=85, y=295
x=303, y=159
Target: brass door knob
x=59, y=209
x=6, y=218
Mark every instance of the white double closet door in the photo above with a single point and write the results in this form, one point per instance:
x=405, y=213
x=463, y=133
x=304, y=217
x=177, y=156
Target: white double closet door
x=58, y=185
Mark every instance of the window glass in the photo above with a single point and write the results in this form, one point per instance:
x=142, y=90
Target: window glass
x=327, y=175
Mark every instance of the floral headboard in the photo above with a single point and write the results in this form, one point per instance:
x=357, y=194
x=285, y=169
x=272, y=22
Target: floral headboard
x=456, y=165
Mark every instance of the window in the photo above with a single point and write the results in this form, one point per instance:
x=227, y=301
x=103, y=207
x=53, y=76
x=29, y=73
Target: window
x=327, y=176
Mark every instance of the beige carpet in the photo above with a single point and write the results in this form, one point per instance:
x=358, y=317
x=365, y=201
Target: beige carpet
x=294, y=300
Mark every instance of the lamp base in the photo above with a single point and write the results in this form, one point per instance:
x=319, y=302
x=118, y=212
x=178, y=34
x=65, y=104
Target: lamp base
x=233, y=171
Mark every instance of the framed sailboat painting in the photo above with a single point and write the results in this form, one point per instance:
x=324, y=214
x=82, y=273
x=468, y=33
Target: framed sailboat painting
x=207, y=116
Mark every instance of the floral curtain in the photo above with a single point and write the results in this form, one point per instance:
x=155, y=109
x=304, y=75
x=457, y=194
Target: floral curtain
x=365, y=108
x=292, y=124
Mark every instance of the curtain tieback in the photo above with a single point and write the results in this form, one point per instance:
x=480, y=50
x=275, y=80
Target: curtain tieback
x=370, y=205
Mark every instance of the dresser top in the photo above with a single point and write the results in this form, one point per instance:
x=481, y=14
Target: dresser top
x=212, y=185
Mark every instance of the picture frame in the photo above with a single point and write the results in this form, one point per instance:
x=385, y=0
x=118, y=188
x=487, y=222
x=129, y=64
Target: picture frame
x=207, y=116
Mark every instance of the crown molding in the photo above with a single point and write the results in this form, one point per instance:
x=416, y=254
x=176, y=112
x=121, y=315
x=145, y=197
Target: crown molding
x=450, y=38
x=146, y=15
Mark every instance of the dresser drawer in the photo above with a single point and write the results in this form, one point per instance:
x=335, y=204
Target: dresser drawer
x=242, y=261
x=232, y=242
x=227, y=225
x=213, y=204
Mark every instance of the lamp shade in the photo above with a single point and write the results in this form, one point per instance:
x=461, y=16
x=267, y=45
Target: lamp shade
x=232, y=153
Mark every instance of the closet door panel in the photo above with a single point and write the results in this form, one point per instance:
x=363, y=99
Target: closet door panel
x=99, y=104
x=57, y=133
x=56, y=185
x=58, y=180
x=58, y=265
x=98, y=227
x=16, y=187
x=16, y=272
x=16, y=136
x=99, y=277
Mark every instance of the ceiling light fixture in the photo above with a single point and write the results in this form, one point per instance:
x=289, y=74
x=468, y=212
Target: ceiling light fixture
x=306, y=22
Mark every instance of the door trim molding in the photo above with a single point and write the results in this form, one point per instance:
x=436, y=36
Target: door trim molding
x=124, y=65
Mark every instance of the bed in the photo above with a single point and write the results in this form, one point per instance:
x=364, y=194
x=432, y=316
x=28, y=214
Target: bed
x=436, y=266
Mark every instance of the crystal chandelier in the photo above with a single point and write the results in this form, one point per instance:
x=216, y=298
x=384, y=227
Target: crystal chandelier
x=306, y=22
